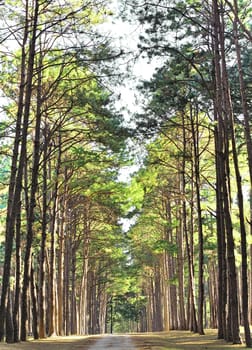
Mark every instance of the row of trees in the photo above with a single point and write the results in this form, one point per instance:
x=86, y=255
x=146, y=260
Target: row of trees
x=195, y=212
x=61, y=149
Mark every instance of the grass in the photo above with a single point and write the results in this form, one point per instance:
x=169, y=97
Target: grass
x=182, y=340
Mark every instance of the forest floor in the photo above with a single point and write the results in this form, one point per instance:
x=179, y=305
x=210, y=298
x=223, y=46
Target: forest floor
x=174, y=340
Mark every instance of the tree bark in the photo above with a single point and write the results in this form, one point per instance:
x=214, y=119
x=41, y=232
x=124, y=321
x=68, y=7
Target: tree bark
x=196, y=164
x=17, y=277
x=223, y=124
x=84, y=282
x=34, y=304
x=42, y=256
x=15, y=182
x=52, y=272
x=9, y=321
x=35, y=169
x=247, y=133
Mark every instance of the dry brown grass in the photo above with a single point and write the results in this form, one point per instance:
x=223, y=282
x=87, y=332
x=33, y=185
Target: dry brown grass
x=182, y=340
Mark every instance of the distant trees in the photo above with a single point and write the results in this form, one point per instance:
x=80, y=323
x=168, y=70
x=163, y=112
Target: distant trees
x=168, y=221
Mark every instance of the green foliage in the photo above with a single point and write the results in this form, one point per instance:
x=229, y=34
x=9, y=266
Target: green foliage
x=162, y=245
x=129, y=306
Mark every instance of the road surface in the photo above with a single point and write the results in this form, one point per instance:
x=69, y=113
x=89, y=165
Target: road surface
x=113, y=342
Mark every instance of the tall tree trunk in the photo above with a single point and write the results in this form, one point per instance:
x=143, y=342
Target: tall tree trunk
x=15, y=182
x=68, y=280
x=196, y=157
x=191, y=314
x=213, y=295
x=222, y=109
x=247, y=132
x=92, y=301
x=72, y=259
x=180, y=257
x=103, y=300
x=84, y=282
x=243, y=240
x=9, y=321
x=61, y=245
x=35, y=168
x=221, y=231
x=34, y=304
x=181, y=280
x=17, y=277
x=172, y=289
x=168, y=237
x=228, y=132
x=52, y=272
x=41, y=289
x=192, y=320
x=165, y=269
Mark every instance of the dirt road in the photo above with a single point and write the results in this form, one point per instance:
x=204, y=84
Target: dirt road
x=113, y=342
